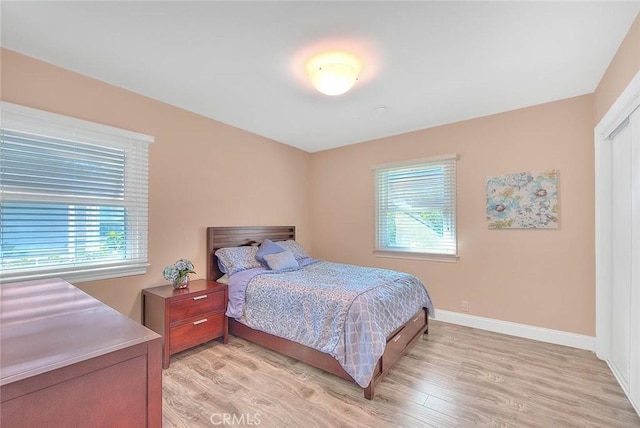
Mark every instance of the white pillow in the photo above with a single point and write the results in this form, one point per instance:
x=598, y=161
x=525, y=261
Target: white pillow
x=224, y=279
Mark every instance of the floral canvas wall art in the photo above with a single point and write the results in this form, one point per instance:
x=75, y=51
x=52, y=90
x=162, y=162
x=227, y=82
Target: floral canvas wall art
x=523, y=200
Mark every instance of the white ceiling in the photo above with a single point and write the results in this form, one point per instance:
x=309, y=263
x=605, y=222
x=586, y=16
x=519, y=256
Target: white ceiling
x=242, y=63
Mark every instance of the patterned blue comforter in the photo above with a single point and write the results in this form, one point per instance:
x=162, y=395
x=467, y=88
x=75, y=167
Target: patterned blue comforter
x=343, y=310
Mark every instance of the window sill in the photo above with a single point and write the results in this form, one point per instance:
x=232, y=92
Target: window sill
x=408, y=255
x=79, y=275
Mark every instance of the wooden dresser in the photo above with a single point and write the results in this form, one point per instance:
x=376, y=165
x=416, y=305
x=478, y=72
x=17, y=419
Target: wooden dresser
x=66, y=359
x=186, y=317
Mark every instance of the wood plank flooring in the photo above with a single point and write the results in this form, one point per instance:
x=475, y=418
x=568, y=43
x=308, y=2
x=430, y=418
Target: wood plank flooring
x=454, y=377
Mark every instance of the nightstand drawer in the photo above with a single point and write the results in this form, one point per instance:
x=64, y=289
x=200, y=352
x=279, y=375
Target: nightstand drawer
x=196, y=331
x=196, y=305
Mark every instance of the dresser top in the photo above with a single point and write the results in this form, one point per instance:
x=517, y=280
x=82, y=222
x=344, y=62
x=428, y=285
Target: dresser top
x=49, y=324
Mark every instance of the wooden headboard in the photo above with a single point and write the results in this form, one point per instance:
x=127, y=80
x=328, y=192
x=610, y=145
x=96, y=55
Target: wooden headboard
x=219, y=237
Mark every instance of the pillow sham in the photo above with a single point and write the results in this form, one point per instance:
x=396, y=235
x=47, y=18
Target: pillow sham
x=237, y=259
x=221, y=266
x=267, y=247
x=224, y=279
x=295, y=249
x=281, y=261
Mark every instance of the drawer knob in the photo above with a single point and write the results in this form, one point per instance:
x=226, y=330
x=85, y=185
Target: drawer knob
x=199, y=321
x=395, y=339
x=417, y=318
x=204, y=296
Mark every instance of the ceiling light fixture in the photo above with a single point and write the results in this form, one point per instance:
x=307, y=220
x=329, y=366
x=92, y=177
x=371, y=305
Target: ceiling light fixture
x=334, y=72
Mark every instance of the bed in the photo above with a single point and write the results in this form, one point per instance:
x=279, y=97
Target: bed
x=401, y=336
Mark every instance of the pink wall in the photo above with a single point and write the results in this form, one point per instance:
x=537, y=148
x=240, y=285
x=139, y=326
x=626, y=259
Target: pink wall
x=624, y=66
x=202, y=172
x=538, y=277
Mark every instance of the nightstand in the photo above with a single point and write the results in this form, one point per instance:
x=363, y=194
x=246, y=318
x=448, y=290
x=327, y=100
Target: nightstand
x=186, y=317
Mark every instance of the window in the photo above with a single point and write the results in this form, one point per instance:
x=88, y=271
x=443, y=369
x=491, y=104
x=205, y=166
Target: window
x=73, y=198
x=416, y=207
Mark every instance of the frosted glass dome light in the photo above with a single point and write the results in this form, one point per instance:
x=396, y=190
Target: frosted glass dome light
x=333, y=73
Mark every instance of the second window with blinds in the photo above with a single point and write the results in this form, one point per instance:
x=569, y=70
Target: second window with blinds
x=416, y=208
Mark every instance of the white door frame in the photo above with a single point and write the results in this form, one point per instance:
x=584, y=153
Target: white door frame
x=626, y=103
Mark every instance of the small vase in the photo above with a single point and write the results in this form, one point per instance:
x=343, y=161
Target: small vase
x=181, y=282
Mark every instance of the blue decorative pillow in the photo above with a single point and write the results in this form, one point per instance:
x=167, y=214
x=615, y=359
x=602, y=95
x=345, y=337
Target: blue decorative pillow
x=267, y=247
x=281, y=261
x=295, y=249
x=237, y=259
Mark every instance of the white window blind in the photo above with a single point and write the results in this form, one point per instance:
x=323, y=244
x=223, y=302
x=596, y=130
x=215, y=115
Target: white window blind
x=416, y=206
x=73, y=198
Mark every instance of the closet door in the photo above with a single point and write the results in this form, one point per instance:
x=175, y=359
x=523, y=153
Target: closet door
x=621, y=255
x=634, y=374
x=625, y=256
x=617, y=149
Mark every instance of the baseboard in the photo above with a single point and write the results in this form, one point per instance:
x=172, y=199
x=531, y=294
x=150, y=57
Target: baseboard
x=548, y=335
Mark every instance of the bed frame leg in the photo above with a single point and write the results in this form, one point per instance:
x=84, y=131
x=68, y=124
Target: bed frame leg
x=426, y=317
x=368, y=392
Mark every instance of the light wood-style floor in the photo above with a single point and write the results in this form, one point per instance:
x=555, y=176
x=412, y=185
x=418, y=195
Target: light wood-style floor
x=454, y=377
